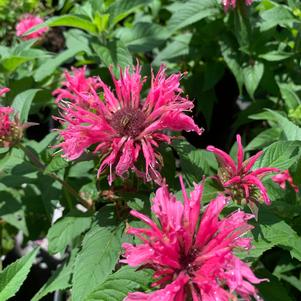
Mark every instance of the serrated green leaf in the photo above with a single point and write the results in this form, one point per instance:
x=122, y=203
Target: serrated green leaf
x=120, y=9
x=13, y=276
x=66, y=229
x=252, y=75
x=143, y=36
x=192, y=11
x=57, y=163
x=272, y=231
x=96, y=260
x=280, y=154
x=290, y=97
x=264, y=139
x=119, y=284
x=22, y=103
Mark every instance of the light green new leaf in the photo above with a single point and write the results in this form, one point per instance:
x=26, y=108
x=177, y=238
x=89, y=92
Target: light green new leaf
x=99, y=254
x=13, y=276
x=57, y=163
x=22, y=103
x=66, y=229
x=252, y=76
x=119, y=284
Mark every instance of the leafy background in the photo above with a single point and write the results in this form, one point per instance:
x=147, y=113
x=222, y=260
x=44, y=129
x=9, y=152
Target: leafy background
x=243, y=72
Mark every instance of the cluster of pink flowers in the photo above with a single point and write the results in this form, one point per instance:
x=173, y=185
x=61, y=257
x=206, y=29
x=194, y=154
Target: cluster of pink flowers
x=232, y=3
x=240, y=182
x=193, y=258
x=122, y=126
x=26, y=23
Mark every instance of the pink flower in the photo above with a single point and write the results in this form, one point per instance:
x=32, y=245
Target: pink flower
x=193, y=259
x=121, y=126
x=281, y=179
x=232, y=3
x=27, y=22
x=240, y=182
x=3, y=91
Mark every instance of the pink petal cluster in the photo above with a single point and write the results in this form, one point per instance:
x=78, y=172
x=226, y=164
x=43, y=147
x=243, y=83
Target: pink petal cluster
x=3, y=91
x=121, y=125
x=27, y=22
x=193, y=258
x=242, y=183
x=284, y=177
x=232, y=3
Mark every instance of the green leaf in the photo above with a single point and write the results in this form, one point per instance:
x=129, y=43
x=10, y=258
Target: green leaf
x=11, y=63
x=69, y=21
x=60, y=280
x=194, y=162
x=291, y=131
x=231, y=57
x=272, y=231
x=263, y=139
x=119, y=284
x=114, y=53
x=279, y=15
x=178, y=47
x=57, y=163
x=120, y=9
x=66, y=229
x=13, y=276
x=275, y=55
x=50, y=65
x=281, y=154
x=190, y=12
x=22, y=103
x=96, y=260
x=252, y=75
x=291, y=99
x=143, y=36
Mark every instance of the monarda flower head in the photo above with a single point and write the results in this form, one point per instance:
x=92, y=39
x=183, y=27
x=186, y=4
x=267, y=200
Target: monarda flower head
x=232, y=3
x=240, y=182
x=122, y=126
x=26, y=23
x=192, y=256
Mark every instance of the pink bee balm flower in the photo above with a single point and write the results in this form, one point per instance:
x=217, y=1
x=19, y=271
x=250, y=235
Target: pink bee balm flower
x=281, y=179
x=240, y=182
x=122, y=126
x=232, y=3
x=193, y=258
x=26, y=23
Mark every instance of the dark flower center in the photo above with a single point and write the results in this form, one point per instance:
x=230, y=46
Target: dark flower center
x=187, y=261
x=128, y=122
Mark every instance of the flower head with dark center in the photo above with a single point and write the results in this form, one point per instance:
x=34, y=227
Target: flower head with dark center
x=240, y=182
x=193, y=258
x=120, y=125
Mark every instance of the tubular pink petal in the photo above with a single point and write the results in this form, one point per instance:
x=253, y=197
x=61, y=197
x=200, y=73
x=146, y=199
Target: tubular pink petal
x=240, y=153
x=226, y=160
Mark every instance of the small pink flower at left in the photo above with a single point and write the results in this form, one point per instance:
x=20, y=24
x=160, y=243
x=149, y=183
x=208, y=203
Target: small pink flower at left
x=243, y=184
x=11, y=131
x=121, y=126
x=284, y=177
x=232, y=3
x=192, y=256
x=27, y=22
